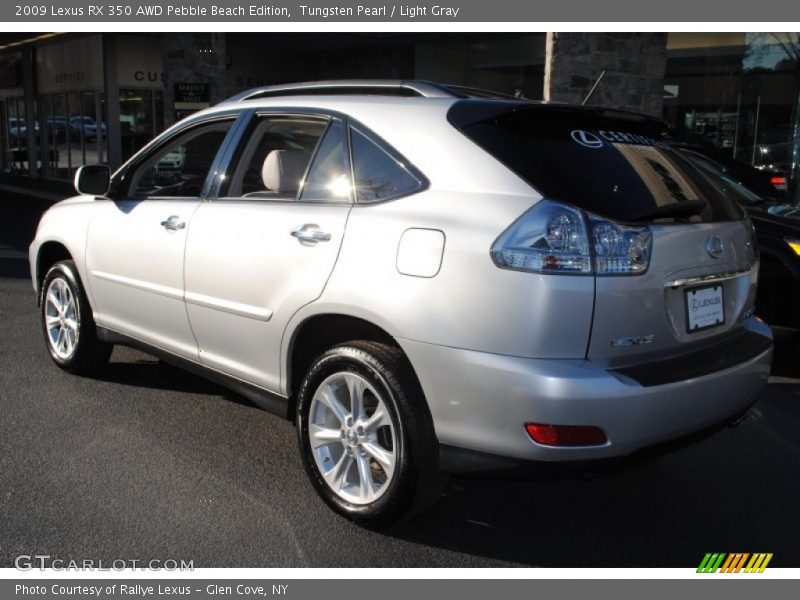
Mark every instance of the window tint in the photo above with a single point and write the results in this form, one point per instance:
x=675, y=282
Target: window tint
x=615, y=167
x=378, y=175
x=328, y=179
x=273, y=161
x=181, y=167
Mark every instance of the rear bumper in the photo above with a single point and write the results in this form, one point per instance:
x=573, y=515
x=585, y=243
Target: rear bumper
x=480, y=402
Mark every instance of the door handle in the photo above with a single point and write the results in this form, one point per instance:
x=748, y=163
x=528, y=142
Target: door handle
x=173, y=223
x=310, y=233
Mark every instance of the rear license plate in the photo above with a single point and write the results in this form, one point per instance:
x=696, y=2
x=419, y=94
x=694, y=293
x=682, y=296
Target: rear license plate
x=704, y=308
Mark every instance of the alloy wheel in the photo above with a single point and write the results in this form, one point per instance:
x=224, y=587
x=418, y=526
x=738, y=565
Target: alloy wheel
x=352, y=437
x=61, y=318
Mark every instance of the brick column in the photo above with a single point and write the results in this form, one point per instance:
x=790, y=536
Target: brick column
x=634, y=64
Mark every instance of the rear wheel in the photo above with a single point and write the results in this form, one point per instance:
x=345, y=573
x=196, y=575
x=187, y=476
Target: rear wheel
x=67, y=322
x=366, y=435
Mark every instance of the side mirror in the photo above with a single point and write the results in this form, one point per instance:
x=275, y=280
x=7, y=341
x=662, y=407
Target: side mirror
x=92, y=180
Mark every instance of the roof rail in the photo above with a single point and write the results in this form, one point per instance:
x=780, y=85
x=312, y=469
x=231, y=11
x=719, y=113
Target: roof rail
x=464, y=91
x=387, y=87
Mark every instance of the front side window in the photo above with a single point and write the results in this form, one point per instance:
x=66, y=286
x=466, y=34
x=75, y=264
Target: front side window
x=378, y=174
x=180, y=168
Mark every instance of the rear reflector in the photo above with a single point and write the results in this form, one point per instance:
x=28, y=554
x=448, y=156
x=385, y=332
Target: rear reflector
x=565, y=435
x=778, y=180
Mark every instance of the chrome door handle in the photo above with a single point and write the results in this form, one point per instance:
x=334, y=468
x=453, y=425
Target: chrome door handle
x=173, y=223
x=310, y=233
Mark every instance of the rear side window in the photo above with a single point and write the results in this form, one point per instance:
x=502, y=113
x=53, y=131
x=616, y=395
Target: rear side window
x=379, y=173
x=328, y=179
x=273, y=162
x=615, y=167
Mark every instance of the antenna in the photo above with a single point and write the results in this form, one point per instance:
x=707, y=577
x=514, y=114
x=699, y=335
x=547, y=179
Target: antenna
x=594, y=87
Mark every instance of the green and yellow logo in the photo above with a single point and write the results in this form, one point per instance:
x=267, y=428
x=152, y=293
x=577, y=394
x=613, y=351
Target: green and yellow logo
x=720, y=562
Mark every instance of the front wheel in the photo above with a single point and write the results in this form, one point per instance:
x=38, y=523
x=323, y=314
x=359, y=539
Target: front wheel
x=366, y=435
x=67, y=321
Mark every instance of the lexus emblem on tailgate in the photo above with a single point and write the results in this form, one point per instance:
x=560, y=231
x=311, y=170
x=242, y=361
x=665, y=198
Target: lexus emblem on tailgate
x=714, y=246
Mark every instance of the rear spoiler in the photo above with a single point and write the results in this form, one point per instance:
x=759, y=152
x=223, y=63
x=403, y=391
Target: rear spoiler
x=469, y=112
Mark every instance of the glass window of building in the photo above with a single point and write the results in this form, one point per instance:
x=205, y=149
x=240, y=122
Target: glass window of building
x=141, y=117
x=738, y=94
x=508, y=63
x=15, y=130
x=71, y=125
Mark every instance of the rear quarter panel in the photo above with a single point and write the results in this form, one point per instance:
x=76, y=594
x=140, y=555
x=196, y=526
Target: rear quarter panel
x=470, y=303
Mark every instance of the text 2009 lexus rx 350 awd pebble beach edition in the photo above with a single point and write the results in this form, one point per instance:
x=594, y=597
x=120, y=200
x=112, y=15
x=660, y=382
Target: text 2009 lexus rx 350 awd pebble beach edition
x=418, y=276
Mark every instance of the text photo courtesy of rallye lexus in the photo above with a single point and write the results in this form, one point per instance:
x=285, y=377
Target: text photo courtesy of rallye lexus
x=421, y=277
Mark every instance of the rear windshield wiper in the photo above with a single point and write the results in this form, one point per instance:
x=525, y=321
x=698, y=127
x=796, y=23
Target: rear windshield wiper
x=687, y=208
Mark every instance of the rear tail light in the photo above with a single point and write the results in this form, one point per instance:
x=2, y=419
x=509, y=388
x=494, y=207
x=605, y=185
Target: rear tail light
x=778, y=181
x=553, y=238
x=549, y=238
x=566, y=435
x=620, y=249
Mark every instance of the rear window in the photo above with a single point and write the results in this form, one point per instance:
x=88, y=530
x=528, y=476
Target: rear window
x=606, y=162
x=716, y=172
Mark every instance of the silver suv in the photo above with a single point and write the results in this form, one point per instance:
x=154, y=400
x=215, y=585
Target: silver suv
x=422, y=278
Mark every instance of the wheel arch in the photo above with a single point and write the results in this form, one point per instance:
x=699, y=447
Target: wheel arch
x=314, y=333
x=49, y=253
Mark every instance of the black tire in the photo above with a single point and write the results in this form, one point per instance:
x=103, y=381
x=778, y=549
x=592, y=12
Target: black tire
x=89, y=353
x=416, y=482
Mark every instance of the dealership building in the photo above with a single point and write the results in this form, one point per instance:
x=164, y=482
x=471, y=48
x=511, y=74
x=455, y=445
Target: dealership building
x=73, y=99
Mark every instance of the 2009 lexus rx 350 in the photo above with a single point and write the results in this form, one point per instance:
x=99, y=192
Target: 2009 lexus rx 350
x=418, y=276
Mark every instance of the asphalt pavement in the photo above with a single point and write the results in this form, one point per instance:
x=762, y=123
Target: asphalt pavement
x=144, y=461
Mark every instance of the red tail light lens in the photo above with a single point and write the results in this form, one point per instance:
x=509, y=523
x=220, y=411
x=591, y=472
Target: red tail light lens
x=549, y=238
x=778, y=180
x=566, y=435
x=552, y=238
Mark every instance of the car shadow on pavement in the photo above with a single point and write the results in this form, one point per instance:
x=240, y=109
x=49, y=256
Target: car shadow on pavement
x=14, y=267
x=155, y=374
x=713, y=491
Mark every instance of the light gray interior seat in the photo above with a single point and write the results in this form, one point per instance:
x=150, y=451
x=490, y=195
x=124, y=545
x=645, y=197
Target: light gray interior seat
x=281, y=174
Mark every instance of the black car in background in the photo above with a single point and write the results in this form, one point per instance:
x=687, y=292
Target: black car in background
x=778, y=301
x=770, y=184
x=778, y=236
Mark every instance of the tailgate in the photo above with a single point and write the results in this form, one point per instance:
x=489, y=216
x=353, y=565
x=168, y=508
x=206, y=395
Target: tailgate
x=699, y=287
